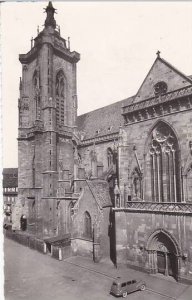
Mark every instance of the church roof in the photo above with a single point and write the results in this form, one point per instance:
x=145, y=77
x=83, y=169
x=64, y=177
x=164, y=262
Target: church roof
x=102, y=121
x=108, y=119
x=10, y=177
x=100, y=191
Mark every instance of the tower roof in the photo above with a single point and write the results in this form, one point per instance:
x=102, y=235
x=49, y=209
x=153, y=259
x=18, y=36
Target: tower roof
x=50, y=10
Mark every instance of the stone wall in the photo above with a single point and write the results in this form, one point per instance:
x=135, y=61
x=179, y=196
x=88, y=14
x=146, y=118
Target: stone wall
x=133, y=230
x=26, y=240
x=137, y=135
x=82, y=247
x=101, y=155
x=100, y=222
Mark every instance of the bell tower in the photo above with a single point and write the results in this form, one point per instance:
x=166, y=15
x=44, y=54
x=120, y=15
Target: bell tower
x=47, y=119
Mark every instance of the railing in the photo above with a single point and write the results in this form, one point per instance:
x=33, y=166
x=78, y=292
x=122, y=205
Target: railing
x=158, y=207
x=186, y=91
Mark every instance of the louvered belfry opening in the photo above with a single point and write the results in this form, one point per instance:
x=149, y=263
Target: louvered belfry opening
x=60, y=97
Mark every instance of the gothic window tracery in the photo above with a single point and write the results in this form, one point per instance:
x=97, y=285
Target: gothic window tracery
x=160, y=88
x=164, y=162
x=60, y=96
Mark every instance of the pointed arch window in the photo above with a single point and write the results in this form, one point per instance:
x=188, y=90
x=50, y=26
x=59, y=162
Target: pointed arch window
x=33, y=171
x=87, y=225
x=36, y=95
x=188, y=178
x=35, y=81
x=70, y=215
x=60, y=97
x=164, y=164
x=109, y=157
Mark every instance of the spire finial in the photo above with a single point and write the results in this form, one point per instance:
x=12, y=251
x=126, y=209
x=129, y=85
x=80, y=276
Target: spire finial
x=68, y=42
x=50, y=10
x=158, y=53
x=31, y=42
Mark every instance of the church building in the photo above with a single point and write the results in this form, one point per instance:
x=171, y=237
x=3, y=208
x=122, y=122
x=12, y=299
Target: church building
x=117, y=180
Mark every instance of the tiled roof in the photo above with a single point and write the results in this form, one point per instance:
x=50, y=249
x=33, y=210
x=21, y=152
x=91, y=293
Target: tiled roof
x=102, y=121
x=10, y=177
x=100, y=191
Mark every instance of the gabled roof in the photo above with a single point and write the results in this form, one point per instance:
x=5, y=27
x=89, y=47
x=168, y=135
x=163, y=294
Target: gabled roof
x=108, y=119
x=10, y=177
x=102, y=121
x=161, y=70
x=100, y=191
x=176, y=70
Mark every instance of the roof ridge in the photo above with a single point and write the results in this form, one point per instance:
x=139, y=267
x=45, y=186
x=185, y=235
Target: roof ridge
x=93, y=193
x=174, y=68
x=100, y=108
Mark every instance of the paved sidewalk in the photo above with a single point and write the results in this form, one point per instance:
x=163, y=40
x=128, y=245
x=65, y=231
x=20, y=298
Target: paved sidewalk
x=31, y=275
x=187, y=294
x=163, y=285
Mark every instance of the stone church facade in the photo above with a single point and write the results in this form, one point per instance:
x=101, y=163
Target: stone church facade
x=117, y=179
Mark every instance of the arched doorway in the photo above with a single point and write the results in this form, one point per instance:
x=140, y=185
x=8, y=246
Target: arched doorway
x=163, y=253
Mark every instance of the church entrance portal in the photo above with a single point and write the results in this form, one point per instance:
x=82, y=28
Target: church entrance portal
x=163, y=254
x=166, y=263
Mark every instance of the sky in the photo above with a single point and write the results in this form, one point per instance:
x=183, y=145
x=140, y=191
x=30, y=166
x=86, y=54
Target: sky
x=117, y=41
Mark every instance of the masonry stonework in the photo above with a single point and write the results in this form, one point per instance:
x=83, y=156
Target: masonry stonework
x=117, y=180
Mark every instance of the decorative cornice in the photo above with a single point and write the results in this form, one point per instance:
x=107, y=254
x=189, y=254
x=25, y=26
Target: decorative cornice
x=29, y=56
x=64, y=53
x=61, y=198
x=29, y=132
x=100, y=139
x=59, y=48
x=178, y=208
x=178, y=100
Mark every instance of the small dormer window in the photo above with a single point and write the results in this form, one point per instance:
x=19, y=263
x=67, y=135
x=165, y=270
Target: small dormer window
x=160, y=88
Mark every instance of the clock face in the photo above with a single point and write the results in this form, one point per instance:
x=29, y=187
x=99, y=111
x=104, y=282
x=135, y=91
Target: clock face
x=160, y=88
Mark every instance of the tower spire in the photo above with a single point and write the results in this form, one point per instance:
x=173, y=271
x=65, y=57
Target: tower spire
x=50, y=10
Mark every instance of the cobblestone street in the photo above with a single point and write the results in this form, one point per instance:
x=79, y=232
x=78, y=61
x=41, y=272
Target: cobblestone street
x=33, y=276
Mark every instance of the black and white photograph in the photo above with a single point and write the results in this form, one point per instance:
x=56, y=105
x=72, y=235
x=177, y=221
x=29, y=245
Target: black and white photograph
x=96, y=150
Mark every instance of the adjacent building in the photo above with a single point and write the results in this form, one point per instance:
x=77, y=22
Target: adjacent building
x=117, y=179
x=10, y=192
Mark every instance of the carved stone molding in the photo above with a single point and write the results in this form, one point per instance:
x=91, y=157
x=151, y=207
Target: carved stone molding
x=168, y=103
x=158, y=207
x=100, y=139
